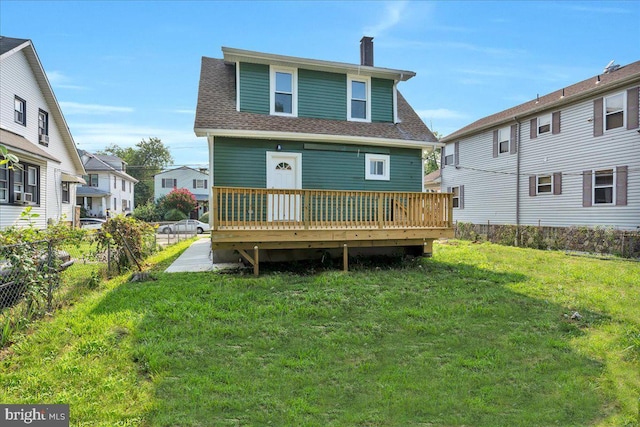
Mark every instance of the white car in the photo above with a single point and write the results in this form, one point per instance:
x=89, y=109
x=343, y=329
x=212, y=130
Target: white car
x=91, y=223
x=186, y=226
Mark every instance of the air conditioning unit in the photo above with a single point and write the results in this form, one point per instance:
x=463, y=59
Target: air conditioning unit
x=28, y=198
x=44, y=139
x=18, y=197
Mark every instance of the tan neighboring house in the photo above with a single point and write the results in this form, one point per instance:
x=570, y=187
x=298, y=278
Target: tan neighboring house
x=432, y=182
x=33, y=128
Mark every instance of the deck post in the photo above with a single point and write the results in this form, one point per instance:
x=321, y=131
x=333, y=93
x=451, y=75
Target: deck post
x=256, y=261
x=214, y=209
x=345, y=258
x=427, y=248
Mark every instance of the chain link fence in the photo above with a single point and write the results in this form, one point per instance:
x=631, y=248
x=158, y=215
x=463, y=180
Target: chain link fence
x=39, y=277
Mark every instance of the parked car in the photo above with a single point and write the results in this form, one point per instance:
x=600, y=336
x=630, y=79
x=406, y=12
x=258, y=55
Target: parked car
x=186, y=226
x=91, y=223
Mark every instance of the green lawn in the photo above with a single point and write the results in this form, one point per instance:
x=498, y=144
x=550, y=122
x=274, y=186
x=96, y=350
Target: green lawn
x=479, y=335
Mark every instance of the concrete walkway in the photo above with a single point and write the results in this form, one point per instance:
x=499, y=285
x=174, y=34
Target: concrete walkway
x=198, y=257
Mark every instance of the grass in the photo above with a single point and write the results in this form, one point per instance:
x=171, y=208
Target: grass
x=479, y=335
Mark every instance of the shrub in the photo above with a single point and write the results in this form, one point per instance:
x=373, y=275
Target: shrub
x=130, y=240
x=174, y=215
x=180, y=199
x=204, y=218
x=147, y=212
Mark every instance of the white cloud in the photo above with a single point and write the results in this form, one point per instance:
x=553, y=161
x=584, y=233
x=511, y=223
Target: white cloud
x=69, y=108
x=392, y=16
x=61, y=81
x=184, y=111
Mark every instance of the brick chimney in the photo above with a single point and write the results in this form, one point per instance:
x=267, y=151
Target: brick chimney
x=366, y=51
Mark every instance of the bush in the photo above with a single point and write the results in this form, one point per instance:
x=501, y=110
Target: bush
x=174, y=215
x=204, y=218
x=147, y=212
x=131, y=241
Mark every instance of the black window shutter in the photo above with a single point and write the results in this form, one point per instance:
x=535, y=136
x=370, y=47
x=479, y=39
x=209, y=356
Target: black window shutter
x=533, y=132
x=586, y=188
x=633, y=120
x=532, y=185
x=194, y=183
x=555, y=123
x=205, y=184
x=598, y=128
x=514, y=139
x=621, y=185
x=557, y=183
x=461, y=197
x=495, y=143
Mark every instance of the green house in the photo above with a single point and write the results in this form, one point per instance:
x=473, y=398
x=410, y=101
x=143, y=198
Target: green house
x=304, y=152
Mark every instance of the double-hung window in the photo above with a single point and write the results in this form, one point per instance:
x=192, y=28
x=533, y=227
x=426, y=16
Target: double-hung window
x=20, y=111
x=283, y=91
x=4, y=184
x=124, y=185
x=24, y=184
x=503, y=140
x=377, y=167
x=456, y=196
x=43, y=122
x=614, y=111
x=544, y=184
x=169, y=182
x=358, y=96
x=65, y=192
x=93, y=180
x=544, y=124
x=603, y=187
x=199, y=183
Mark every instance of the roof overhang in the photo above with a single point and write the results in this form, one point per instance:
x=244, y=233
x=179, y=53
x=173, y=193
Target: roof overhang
x=309, y=137
x=21, y=145
x=72, y=178
x=239, y=55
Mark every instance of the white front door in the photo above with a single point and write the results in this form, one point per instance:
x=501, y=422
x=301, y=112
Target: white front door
x=284, y=171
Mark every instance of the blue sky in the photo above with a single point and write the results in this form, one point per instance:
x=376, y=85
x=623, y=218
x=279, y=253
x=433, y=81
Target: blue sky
x=127, y=70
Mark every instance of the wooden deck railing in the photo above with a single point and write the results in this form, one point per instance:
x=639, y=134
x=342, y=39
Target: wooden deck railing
x=273, y=209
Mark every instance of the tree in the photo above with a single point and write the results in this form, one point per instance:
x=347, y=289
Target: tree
x=180, y=199
x=144, y=160
x=432, y=160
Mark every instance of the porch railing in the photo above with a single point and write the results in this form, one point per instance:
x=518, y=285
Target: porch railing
x=274, y=209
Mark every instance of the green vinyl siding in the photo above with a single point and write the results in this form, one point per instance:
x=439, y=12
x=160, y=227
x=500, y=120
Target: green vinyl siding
x=322, y=95
x=254, y=88
x=242, y=163
x=381, y=100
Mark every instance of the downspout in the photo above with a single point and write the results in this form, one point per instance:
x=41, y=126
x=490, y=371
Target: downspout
x=518, y=148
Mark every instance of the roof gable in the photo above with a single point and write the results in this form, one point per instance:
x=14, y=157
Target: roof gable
x=9, y=46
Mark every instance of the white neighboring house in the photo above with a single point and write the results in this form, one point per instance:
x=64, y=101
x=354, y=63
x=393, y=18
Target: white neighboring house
x=193, y=180
x=33, y=128
x=109, y=189
x=569, y=158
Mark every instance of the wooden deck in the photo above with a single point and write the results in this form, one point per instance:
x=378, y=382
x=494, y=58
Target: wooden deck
x=250, y=219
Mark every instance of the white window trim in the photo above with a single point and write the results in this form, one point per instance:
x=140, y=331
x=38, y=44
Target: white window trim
x=385, y=158
x=367, y=81
x=454, y=196
x=613, y=187
x=294, y=90
x=624, y=112
x=507, y=130
x=549, y=119
x=550, y=176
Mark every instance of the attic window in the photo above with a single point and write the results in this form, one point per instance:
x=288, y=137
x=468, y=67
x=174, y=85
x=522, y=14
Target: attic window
x=283, y=92
x=358, y=99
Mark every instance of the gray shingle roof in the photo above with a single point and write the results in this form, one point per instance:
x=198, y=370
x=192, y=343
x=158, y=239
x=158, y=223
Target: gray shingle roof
x=216, y=110
x=9, y=43
x=587, y=88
